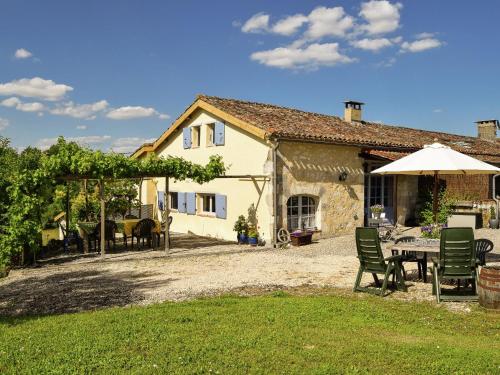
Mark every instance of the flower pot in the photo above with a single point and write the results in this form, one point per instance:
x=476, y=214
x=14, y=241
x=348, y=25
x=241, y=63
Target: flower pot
x=493, y=223
x=253, y=241
x=242, y=238
x=376, y=215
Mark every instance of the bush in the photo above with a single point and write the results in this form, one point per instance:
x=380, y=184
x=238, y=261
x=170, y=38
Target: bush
x=445, y=208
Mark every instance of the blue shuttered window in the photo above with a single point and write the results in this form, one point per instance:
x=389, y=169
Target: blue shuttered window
x=219, y=134
x=186, y=137
x=181, y=201
x=161, y=200
x=220, y=206
x=191, y=203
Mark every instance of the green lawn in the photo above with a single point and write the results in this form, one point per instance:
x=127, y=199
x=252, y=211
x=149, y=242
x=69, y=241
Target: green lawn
x=277, y=333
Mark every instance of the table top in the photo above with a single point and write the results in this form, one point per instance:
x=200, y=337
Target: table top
x=421, y=246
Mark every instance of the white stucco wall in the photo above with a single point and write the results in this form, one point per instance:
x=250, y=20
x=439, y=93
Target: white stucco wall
x=244, y=154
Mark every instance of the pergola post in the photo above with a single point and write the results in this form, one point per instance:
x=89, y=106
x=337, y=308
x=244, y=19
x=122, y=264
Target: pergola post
x=103, y=220
x=167, y=224
x=140, y=198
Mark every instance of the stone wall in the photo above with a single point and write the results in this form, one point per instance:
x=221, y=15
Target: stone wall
x=313, y=169
x=406, y=199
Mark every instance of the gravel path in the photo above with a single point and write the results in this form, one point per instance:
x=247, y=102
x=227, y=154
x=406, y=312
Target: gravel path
x=196, y=266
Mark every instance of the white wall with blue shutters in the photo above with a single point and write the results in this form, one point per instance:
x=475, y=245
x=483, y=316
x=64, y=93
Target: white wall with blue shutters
x=244, y=154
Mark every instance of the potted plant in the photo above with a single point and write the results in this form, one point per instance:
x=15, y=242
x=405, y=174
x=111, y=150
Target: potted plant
x=493, y=218
x=241, y=228
x=377, y=210
x=253, y=236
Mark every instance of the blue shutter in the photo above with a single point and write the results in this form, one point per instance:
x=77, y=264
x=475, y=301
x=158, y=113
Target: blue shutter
x=191, y=203
x=220, y=206
x=186, y=137
x=161, y=200
x=181, y=202
x=219, y=133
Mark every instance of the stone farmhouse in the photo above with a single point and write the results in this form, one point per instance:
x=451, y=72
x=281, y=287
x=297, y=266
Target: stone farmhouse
x=299, y=169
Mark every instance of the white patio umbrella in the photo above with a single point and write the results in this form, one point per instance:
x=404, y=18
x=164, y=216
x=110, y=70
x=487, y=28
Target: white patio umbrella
x=437, y=159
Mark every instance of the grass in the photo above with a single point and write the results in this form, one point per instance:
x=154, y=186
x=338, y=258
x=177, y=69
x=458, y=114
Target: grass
x=277, y=333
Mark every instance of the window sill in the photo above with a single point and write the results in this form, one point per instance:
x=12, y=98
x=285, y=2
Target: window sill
x=206, y=214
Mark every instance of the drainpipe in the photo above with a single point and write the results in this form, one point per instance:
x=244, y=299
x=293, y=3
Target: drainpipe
x=494, y=192
x=275, y=194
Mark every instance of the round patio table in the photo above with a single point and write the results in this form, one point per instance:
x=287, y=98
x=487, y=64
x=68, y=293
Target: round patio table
x=423, y=246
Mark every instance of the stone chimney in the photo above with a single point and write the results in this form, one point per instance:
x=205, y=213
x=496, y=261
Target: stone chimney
x=352, y=111
x=487, y=129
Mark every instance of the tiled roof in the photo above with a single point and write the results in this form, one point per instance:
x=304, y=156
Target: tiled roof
x=294, y=124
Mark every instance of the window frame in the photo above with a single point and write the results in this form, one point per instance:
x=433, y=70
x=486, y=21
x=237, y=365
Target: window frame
x=310, y=216
x=170, y=201
x=212, y=205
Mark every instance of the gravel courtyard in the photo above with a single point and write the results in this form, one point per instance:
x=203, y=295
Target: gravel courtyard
x=195, y=267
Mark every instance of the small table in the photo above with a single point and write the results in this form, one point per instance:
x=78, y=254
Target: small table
x=424, y=247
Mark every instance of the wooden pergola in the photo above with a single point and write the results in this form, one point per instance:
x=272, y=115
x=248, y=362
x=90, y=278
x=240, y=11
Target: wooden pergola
x=141, y=178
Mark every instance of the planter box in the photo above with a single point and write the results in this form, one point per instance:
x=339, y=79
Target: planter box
x=301, y=239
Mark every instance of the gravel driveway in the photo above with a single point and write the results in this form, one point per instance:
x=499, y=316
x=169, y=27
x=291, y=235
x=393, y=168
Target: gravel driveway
x=196, y=266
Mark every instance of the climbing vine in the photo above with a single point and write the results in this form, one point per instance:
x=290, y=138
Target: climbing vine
x=35, y=177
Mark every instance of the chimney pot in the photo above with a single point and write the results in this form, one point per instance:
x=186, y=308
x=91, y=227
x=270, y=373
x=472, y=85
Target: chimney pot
x=353, y=111
x=487, y=129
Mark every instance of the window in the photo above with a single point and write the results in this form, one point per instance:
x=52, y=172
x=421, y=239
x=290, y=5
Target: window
x=207, y=203
x=210, y=134
x=301, y=212
x=195, y=136
x=174, y=201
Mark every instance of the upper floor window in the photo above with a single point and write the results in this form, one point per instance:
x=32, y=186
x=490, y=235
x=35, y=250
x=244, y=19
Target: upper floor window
x=195, y=136
x=301, y=212
x=210, y=134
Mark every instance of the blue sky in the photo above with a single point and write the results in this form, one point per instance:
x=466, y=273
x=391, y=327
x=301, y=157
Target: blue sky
x=115, y=73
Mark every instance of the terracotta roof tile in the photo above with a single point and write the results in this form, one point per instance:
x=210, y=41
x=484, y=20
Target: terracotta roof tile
x=290, y=123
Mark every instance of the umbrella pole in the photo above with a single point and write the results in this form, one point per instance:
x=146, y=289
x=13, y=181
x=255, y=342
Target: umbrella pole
x=435, y=197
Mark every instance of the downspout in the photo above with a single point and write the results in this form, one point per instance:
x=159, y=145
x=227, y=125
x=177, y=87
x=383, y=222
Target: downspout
x=493, y=193
x=275, y=193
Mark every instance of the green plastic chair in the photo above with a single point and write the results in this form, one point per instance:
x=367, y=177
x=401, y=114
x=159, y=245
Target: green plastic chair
x=371, y=260
x=457, y=261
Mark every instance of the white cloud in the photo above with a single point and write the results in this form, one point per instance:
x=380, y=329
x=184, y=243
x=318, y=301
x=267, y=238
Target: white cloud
x=22, y=53
x=131, y=112
x=129, y=144
x=381, y=16
x=310, y=57
x=4, y=123
x=45, y=143
x=35, y=88
x=371, y=44
x=437, y=110
x=84, y=111
x=163, y=116
x=421, y=45
x=328, y=22
x=258, y=23
x=16, y=103
x=424, y=35
x=81, y=127
x=289, y=25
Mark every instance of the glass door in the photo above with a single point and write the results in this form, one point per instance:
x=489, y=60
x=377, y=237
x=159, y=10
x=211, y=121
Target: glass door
x=379, y=190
